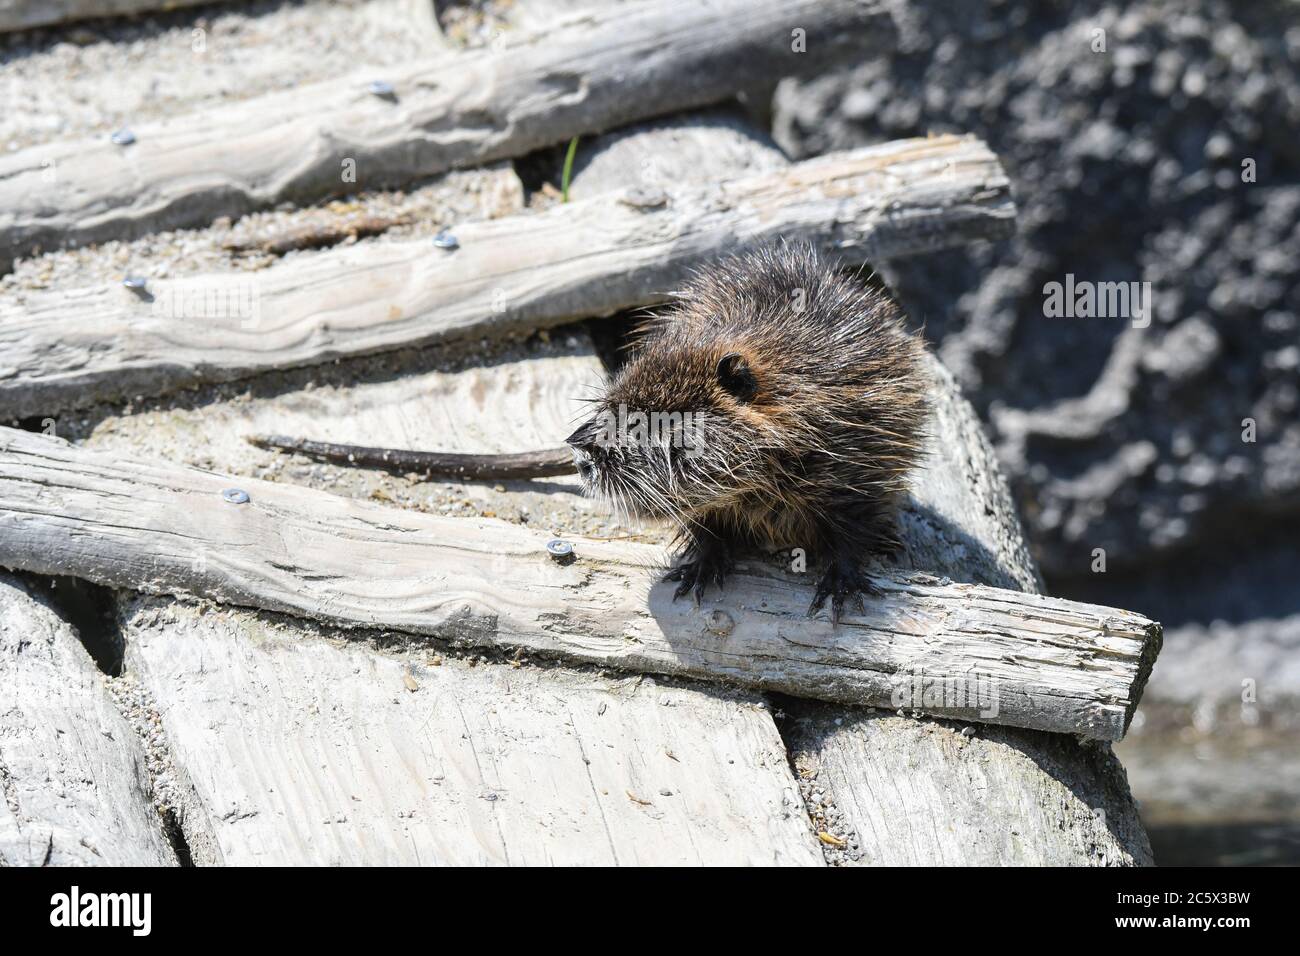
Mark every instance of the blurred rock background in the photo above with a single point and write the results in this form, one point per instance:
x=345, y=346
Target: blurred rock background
x=1128, y=165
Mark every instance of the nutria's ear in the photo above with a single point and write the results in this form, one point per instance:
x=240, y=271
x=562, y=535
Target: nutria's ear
x=736, y=377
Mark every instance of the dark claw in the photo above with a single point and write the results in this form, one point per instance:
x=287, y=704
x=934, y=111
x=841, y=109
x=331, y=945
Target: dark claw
x=696, y=574
x=842, y=581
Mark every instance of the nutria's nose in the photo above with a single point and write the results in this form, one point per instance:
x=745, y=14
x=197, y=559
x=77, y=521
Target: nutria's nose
x=584, y=439
x=583, y=443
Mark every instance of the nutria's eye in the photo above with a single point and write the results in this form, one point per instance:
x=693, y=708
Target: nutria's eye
x=736, y=377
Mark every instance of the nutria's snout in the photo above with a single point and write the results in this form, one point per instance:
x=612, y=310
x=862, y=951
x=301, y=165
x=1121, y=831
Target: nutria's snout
x=777, y=403
x=583, y=443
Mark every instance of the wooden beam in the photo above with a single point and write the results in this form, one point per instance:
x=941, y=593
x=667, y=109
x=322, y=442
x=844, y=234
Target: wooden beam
x=610, y=67
x=586, y=258
x=73, y=786
x=301, y=750
x=949, y=649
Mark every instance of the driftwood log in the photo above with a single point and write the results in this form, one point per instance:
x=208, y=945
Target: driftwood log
x=607, y=67
x=586, y=258
x=73, y=786
x=993, y=655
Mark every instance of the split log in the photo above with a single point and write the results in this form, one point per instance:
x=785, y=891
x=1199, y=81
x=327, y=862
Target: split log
x=586, y=258
x=300, y=750
x=73, y=785
x=1007, y=657
x=608, y=67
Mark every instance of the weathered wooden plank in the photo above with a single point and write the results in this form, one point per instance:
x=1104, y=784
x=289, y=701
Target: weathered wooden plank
x=89, y=79
x=29, y=14
x=303, y=750
x=932, y=793
x=73, y=785
x=714, y=145
x=585, y=258
x=919, y=793
x=1034, y=661
x=613, y=66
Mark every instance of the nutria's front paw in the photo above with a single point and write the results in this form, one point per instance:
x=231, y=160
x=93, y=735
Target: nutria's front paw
x=842, y=580
x=697, y=572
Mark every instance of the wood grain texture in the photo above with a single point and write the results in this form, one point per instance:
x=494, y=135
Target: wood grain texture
x=922, y=793
x=1049, y=664
x=586, y=258
x=73, y=785
x=308, y=751
x=703, y=146
x=608, y=67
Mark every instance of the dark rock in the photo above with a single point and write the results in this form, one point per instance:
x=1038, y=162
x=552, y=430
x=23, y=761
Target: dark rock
x=1127, y=166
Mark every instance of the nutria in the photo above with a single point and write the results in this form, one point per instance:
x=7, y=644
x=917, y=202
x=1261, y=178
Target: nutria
x=776, y=403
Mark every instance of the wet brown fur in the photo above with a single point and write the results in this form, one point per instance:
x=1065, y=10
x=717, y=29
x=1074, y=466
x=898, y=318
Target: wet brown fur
x=812, y=418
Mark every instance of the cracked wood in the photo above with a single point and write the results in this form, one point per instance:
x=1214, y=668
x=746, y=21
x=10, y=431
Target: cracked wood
x=1039, y=662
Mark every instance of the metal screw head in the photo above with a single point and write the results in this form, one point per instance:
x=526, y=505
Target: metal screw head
x=123, y=137
x=236, y=496
x=559, y=549
x=380, y=88
x=135, y=283
x=445, y=240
